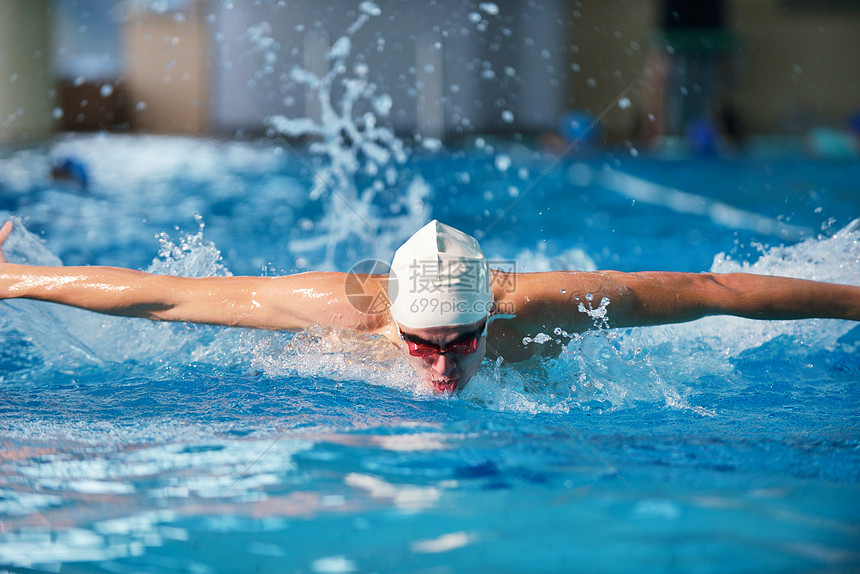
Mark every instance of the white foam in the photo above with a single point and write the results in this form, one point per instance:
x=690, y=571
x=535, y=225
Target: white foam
x=333, y=565
x=443, y=543
x=406, y=497
x=539, y=259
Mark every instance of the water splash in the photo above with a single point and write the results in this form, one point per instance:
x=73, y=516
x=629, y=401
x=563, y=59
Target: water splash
x=69, y=340
x=597, y=371
x=192, y=256
x=834, y=259
x=712, y=350
x=359, y=174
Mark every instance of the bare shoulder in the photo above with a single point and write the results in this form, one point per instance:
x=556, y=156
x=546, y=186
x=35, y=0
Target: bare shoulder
x=536, y=298
x=542, y=302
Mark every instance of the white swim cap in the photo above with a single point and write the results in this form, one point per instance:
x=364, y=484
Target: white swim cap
x=439, y=278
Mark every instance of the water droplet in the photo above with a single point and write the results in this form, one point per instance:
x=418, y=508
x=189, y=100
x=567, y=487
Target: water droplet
x=340, y=49
x=508, y=117
x=58, y=113
x=106, y=90
x=431, y=144
x=503, y=162
x=382, y=104
x=370, y=9
x=490, y=8
x=624, y=103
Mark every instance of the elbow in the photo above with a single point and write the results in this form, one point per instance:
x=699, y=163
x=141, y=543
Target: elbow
x=715, y=291
x=153, y=312
x=737, y=294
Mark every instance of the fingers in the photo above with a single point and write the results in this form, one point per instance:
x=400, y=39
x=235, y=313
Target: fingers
x=4, y=233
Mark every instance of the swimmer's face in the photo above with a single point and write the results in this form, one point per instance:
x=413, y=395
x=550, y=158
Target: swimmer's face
x=450, y=369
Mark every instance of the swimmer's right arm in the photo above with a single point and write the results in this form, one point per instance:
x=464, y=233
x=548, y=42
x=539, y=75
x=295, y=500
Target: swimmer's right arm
x=288, y=303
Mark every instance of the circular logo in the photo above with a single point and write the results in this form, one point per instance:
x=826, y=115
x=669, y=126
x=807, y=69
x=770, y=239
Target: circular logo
x=362, y=290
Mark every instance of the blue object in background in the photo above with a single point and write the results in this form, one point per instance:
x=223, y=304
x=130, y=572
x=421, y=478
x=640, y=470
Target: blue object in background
x=854, y=123
x=702, y=137
x=579, y=126
x=72, y=170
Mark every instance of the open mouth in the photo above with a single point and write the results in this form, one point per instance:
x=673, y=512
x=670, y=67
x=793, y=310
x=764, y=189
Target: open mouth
x=447, y=386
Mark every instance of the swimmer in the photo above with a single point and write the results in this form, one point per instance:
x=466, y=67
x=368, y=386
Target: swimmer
x=445, y=308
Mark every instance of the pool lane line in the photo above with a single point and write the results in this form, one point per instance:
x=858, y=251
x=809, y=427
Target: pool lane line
x=292, y=424
x=559, y=157
x=305, y=162
x=718, y=212
x=569, y=426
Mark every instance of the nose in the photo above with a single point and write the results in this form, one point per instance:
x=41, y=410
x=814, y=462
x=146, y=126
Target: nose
x=443, y=364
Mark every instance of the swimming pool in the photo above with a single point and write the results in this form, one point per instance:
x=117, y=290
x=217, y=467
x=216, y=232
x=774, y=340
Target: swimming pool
x=715, y=446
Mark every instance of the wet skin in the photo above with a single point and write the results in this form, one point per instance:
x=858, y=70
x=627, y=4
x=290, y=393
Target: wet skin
x=446, y=373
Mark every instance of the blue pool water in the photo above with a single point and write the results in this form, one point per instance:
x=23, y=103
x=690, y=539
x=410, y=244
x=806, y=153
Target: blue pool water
x=722, y=445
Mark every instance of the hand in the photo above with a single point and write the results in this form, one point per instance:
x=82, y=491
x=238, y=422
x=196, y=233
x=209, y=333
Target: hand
x=4, y=233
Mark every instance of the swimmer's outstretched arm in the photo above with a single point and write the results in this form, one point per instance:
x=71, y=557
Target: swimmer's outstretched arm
x=676, y=297
x=287, y=303
x=653, y=298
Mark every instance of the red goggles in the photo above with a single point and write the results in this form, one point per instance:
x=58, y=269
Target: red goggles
x=463, y=345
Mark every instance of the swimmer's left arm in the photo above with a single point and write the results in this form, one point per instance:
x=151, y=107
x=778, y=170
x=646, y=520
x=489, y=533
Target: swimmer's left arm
x=652, y=298
x=664, y=297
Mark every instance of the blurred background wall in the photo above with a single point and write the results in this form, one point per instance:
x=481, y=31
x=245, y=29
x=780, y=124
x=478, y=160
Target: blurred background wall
x=26, y=80
x=789, y=65
x=452, y=67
